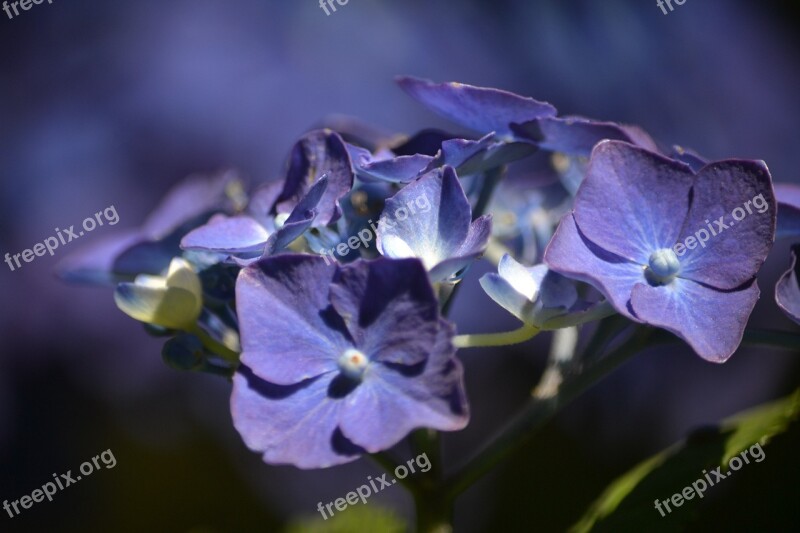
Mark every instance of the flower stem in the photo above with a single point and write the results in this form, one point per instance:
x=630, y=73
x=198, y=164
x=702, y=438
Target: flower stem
x=522, y=334
x=434, y=511
x=538, y=411
x=214, y=346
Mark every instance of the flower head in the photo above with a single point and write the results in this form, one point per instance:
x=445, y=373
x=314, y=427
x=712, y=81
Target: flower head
x=641, y=232
x=339, y=361
x=443, y=236
x=171, y=301
x=788, y=195
x=532, y=294
x=787, y=291
x=150, y=248
x=247, y=237
x=478, y=108
x=318, y=153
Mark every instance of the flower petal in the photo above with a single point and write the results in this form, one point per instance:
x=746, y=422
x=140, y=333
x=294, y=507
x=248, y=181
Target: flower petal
x=392, y=401
x=436, y=233
x=506, y=295
x=734, y=255
x=787, y=291
x=632, y=201
x=318, y=153
x=478, y=108
x=401, y=169
x=389, y=308
x=788, y=195
x=573, y=255
x=239, y=234
x=473, y=247
x=295, y=424
x=711, y=321
x=191, y=198
x=289, y=331
x=301, y=218
x=575, y=135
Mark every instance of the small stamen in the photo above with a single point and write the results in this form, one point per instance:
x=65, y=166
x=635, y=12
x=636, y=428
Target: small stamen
x=353, y=363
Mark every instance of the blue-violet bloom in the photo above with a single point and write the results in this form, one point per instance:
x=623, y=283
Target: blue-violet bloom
x=670, y=247
x=339, y=361
x=444, y=236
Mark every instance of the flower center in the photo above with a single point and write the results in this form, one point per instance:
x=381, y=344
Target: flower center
x=353, y=363
x=663, y=266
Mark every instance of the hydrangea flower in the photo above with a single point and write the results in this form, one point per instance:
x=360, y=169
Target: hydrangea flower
x=524, y=218
x=340, y=361
x=480, y=109
x=473, y=157
x=532, y=294
x=247, y=237
x=444, y=236
x=577, y=135
x=318, y=153
x=506, y=119
x=150, y=248
x=787, y=291
x=385, y=166
x=788, y=196
x=641, y=232
x=171, y=301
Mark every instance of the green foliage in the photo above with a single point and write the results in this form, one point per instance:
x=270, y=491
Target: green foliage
x=357, y=519
x=628, y=503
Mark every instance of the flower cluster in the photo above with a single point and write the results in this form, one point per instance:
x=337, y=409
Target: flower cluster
x=336, y=355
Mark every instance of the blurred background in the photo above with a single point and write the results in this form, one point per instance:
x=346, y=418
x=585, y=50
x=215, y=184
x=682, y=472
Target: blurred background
x=111, y=103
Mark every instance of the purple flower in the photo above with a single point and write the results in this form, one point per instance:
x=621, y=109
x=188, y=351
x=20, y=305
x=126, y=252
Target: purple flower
x=150, y=248
x=317, y=153
x=787, y=291
x=478, y=108
x=577, y=136
x=788, y=196
x=669, y=247
x=473, y=157
x=247, y=237
x=384, y=166
x=532, y=294
x=431, y=219
x=340, y=361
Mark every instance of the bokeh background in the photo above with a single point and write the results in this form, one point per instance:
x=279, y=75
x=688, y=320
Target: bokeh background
x=107, y=103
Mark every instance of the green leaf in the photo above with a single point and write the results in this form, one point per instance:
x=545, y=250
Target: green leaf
x=357, y=519
x=628, y=504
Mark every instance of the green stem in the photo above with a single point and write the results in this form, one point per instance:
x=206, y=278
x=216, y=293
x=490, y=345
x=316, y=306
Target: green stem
x=214, y=346
x=434, y=511
x=434, y=508
x=597, y=311
x=386, y=462
x=428, y=442
x=538, y=411
x=483, y=340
